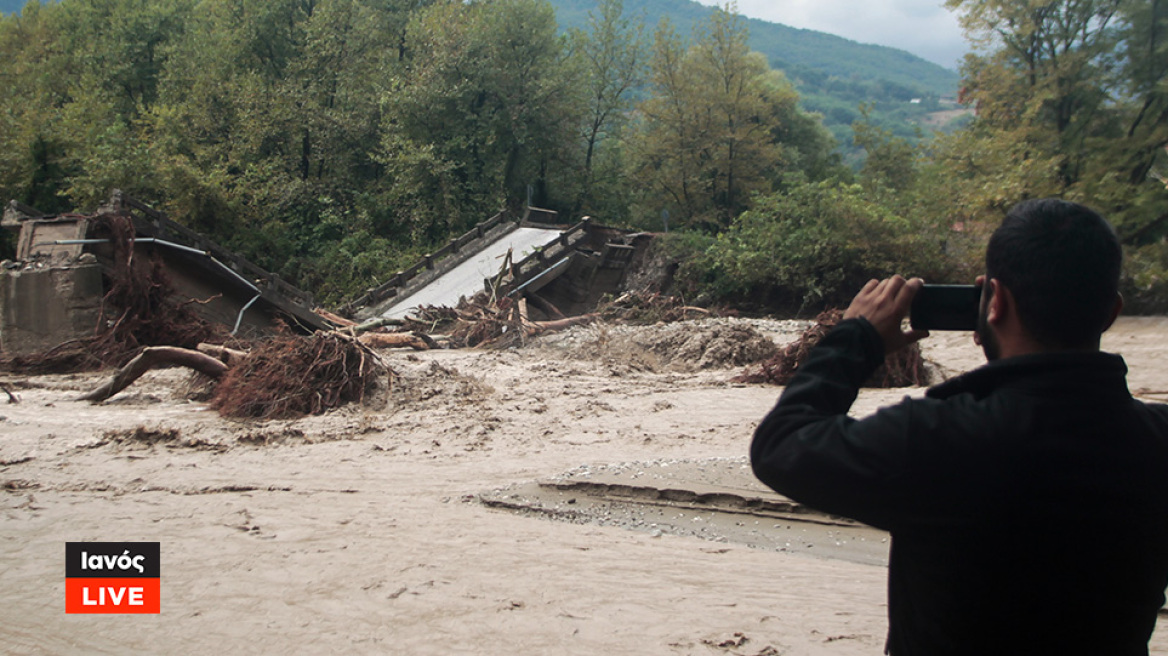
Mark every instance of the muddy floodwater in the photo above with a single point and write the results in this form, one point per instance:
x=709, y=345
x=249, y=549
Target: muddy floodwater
x=586, y=494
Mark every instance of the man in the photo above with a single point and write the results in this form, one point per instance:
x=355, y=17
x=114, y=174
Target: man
x=1027, y=499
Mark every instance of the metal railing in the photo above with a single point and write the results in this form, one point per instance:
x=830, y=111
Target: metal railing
x=164, y=227
x=541, y=259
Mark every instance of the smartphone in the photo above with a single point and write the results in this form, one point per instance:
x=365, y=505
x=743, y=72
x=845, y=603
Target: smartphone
x=945, y=307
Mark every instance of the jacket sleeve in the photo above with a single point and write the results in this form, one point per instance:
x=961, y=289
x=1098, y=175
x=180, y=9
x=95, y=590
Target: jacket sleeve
x=807, y=447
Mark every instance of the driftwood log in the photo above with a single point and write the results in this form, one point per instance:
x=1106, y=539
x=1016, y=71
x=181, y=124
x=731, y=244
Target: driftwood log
x=227, y=356
x=335, y=319
x=536, y=327
x=545, y=305
x=374, y=324
x=396, y=340
x=153, y=357
x=215, y=361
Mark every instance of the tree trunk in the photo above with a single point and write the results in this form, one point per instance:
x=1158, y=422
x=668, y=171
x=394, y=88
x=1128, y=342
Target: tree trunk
x=153, y=357
x=394, y=340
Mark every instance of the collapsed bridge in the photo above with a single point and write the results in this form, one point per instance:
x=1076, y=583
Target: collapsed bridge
x=562, y=270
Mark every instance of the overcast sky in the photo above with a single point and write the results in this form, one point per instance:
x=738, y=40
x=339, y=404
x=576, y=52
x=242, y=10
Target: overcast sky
x=922, y=27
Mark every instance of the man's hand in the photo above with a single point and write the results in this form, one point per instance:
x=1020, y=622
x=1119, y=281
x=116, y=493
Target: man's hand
x=885, y=304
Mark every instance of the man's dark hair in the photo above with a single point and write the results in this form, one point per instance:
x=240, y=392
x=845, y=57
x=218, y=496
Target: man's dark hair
x=1062, y=262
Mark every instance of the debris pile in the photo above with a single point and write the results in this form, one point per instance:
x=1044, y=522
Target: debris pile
x=503, y=322
x=137, y=309
x=901, y=369
x=721, y=346
x=281, y=378
x=141, y=328
x=648, y=308
x=485, y=323
x=499, y=324
x=294, y=376
x=682, y=346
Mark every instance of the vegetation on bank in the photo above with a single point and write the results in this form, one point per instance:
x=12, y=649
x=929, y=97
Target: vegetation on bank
x=333, y=141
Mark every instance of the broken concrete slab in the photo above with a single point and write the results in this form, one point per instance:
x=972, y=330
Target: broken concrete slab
x=41, y=307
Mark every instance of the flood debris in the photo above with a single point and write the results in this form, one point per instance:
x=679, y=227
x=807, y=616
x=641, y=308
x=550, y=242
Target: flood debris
x=141, y=435
x=903, y=368
x=86, y=291
x=644, y=307
x=293, y=376
x=280, y=378
x=487, y=321
x=143, y=324
x=484, y=322
x=416, y=340
x=153, y=357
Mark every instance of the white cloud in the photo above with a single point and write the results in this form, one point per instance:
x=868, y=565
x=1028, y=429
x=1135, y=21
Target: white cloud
x=922, y=27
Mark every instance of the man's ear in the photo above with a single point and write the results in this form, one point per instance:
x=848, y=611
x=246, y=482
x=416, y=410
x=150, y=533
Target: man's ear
x=1114, y=312
x=1001, y=302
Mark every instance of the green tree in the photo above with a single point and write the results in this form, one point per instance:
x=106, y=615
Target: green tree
x=1071, y=101
x=119, y=50
x=35, y=75
x=612, y=54
x=715, y=127
x=1125, y=175
x=1047, y=76
x=270, y=118
x=84, y=78
x=890, y=162
x=485, y=106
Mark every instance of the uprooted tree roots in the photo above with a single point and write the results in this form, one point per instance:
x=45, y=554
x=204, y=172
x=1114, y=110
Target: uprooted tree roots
x=139, y=308
x=294, y=376
x=282, y=378
x=142, y=328
x=475, y=322
x=901, y=369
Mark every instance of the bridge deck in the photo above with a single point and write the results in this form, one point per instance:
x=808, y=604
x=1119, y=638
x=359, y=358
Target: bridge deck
x=466, y=279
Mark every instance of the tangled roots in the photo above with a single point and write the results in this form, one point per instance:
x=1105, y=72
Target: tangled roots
x=904, y=368
x=291, y=377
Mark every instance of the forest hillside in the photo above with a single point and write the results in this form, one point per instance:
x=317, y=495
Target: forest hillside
x=335, y=142
x=833, y=75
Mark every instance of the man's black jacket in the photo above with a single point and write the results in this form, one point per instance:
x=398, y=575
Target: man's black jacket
x=1027, y=500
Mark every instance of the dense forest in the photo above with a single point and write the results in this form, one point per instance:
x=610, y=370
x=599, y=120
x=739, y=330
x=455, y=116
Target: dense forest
x=333, y=141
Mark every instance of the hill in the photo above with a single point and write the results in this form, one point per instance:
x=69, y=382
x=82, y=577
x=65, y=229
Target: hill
x=834, y=75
